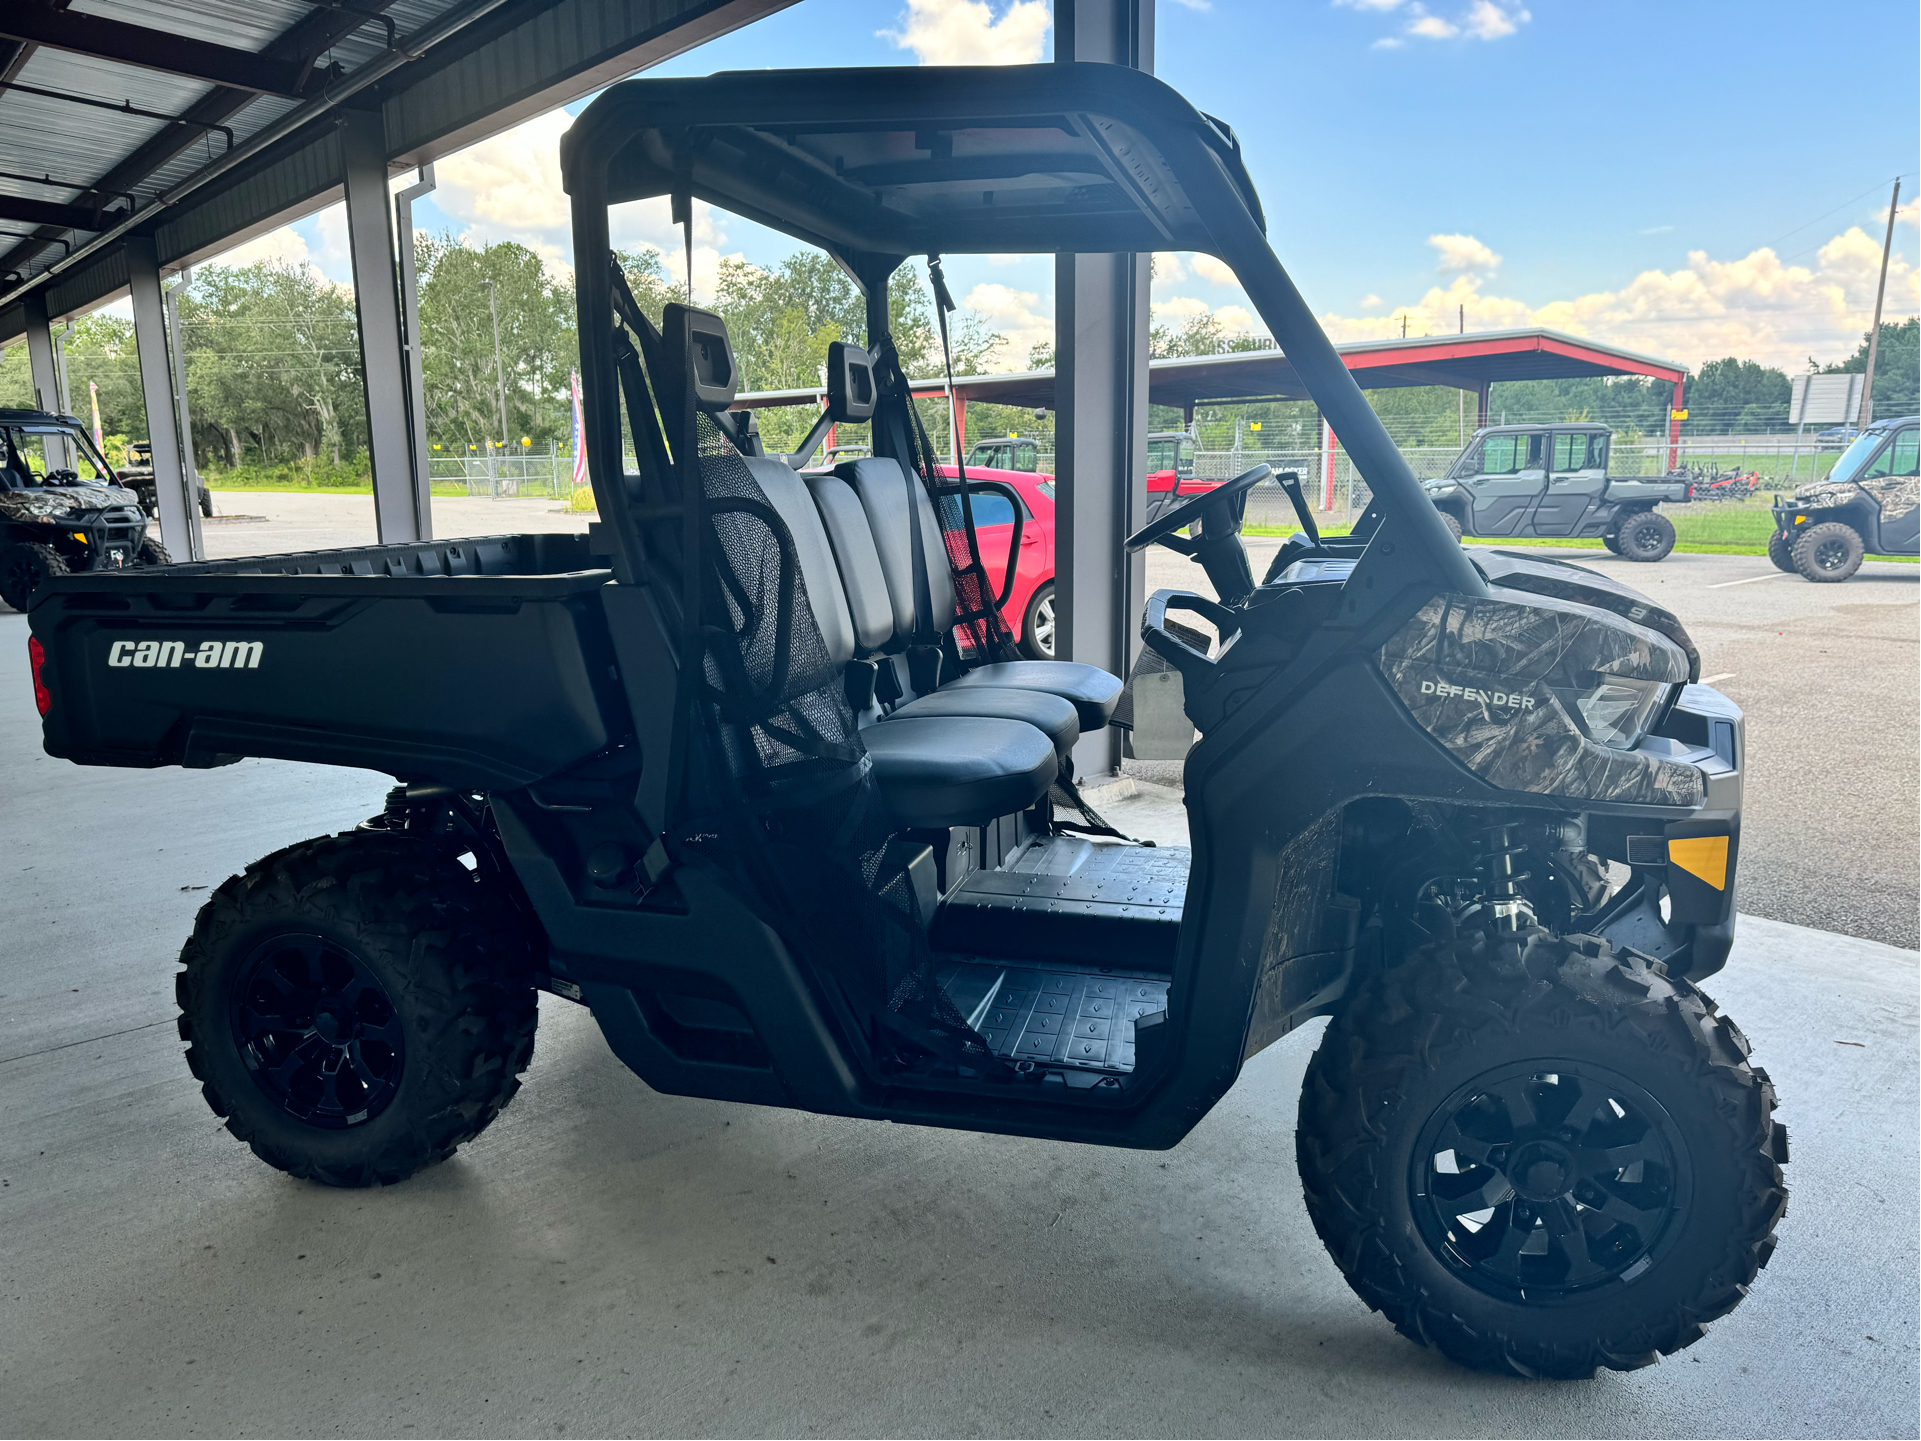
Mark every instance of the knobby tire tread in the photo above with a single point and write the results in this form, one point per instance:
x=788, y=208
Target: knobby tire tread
x=1453, y=997
x=464, y=976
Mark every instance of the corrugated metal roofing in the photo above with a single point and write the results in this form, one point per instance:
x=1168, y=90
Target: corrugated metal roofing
x=524, y=56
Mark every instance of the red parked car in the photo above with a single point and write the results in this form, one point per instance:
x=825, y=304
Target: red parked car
x=1013, y=461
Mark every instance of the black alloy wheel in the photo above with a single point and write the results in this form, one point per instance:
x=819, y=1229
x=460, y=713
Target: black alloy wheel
x=1829, y=552
x=1538, y=1181
x=318, y=1031
x=1646, y=536
x=24, y=568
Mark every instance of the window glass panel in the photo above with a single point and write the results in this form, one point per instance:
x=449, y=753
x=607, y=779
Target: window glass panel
x=1027, y=457
x=1879, y=466
x=1160, y=455
x=992, y=508
x=1570, y=451
x=1905, y=454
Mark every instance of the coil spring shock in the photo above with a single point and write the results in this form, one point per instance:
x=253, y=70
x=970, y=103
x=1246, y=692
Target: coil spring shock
x=1501, y=878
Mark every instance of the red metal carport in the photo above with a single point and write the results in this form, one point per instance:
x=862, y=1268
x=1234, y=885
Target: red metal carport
x=1462, y=362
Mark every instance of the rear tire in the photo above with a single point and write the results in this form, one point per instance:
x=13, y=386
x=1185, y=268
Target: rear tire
x=23, y=567
x=1627, y=1159
x=1828, y=552
x=206, y=501
x=1781, y=550
x=1646, y=536
x=1037, y=626
x=355, y=1007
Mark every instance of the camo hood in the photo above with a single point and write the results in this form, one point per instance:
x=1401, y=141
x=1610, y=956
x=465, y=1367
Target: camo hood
x=1895, y=494
x=57, y=502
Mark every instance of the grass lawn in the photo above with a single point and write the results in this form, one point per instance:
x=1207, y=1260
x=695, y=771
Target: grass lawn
x=1701, y=529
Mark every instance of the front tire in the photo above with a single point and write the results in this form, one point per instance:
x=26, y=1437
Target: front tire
x=1612, y=540
x=24, y=567
x=355, y=1007
x=1647, y=536
x=1037, y=626
x=1453, y=525
x=1781, y=550
x=1540, y=1156
x=1828, y=552
x=152, y=552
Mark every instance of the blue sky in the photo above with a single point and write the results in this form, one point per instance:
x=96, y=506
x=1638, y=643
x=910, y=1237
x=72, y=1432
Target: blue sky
x=1691, y=180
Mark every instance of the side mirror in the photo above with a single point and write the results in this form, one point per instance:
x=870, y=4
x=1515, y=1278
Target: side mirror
x=697, y=339
x=850, y=384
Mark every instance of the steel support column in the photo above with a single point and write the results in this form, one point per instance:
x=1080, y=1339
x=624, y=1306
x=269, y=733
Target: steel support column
x=177, y=513
x=415, y=356
x=189, y=472
x=1100, y=337
x=399, y=514
x=40, y=361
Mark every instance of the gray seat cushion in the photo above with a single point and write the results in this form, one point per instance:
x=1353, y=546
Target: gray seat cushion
x=939, y=771
x=1051, y=715
x=1093, y=691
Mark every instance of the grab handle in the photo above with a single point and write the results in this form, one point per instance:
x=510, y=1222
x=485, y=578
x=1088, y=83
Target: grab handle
x=1171, y=648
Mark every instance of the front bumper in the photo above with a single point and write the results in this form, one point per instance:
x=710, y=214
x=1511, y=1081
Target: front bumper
x=1679, y=903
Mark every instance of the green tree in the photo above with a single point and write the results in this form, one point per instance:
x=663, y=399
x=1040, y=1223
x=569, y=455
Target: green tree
x=1897, y=368
x=273, y=363
x=538, y=344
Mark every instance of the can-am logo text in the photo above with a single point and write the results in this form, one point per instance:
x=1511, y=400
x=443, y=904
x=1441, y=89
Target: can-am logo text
x=1471, y=693
x=171, y=654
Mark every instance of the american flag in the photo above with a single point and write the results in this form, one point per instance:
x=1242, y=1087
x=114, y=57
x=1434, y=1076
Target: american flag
x=580, y=437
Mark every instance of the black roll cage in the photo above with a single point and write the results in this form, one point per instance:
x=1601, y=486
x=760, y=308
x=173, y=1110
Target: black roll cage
x=877, y=165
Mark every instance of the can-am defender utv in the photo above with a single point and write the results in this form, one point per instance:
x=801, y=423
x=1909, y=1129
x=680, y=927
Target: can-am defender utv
x=62, y=508
x=1869, y=504
x=772, y=795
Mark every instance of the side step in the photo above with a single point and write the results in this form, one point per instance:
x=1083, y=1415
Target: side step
x=1070, y=899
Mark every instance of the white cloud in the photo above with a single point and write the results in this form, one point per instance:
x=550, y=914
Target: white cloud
x=968, y=32
x=284, y=246
x=1432, y=27
x=1487, y=21
x=334, y=256
x=1463, y=252
x=1017, y=314
x=1756, y=307
x=1195, y=4
x=1211, y=269
x=1168, y=267
x=508, y=188
x=1481, y=20
x=1370, y=302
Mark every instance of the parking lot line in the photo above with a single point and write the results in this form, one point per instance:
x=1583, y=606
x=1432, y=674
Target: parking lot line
x=1749, y=580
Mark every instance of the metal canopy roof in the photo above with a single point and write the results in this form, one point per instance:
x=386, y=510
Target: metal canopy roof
x=1466, y=362
x=201, y=122
x=904, y=160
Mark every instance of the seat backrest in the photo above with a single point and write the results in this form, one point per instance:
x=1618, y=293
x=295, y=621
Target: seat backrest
x=869, y=605
x=894, y=502
x=787, y=493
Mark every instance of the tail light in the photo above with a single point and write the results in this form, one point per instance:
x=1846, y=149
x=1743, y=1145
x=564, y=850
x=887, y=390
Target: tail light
x=37, y=653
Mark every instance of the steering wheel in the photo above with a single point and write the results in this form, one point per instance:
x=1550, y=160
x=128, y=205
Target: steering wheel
x=1199, y=508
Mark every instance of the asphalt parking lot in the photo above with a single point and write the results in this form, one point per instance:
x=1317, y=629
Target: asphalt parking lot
x=609, y=1260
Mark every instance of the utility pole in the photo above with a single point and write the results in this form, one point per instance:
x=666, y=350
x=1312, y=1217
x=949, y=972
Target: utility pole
x=500, y=384
x=1874, y=335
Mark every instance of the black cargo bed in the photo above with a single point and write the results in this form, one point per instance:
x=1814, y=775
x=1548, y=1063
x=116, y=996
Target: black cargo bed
x=482, y=663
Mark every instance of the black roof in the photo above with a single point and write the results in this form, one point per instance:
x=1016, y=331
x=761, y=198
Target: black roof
x=10, y=416
x=914, y=160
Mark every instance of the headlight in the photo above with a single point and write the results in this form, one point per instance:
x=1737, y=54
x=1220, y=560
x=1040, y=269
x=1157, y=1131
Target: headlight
x=1616, y=710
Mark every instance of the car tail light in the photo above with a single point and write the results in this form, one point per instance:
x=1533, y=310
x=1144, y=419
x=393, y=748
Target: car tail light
x=37, y=653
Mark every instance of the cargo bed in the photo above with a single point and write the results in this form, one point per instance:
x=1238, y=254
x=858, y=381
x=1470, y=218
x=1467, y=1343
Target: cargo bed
x=482, y=663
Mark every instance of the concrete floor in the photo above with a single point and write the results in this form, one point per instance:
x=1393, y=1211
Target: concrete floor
x=608, y=1260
